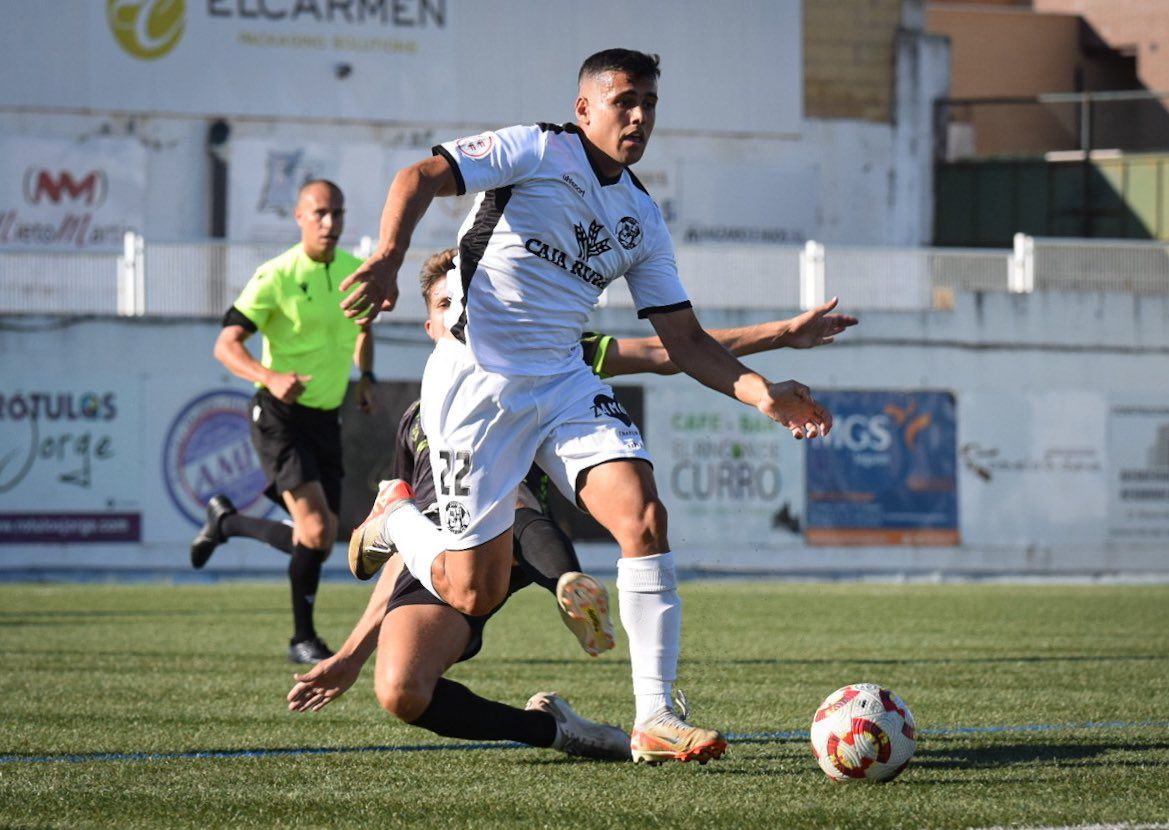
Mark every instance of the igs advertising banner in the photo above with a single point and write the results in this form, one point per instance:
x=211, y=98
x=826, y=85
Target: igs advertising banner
x=885, y=475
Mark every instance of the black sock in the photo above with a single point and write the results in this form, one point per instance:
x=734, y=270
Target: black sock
x=457, y=712
x=304, y=572
x=542, y=549
x=276, y=534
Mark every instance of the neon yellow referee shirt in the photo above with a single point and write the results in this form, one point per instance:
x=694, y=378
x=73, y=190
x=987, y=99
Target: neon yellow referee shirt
x=296, y=305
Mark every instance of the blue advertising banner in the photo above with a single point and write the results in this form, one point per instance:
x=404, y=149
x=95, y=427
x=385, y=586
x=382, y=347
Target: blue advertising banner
x=886, y=474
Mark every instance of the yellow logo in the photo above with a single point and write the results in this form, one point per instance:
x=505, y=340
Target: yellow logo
x=146, y=29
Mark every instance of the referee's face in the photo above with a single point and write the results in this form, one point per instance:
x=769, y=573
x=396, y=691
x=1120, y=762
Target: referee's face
x=320, y=213
x=617, y=116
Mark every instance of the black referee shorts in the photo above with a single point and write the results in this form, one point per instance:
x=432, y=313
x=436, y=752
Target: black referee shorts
x=297, y=444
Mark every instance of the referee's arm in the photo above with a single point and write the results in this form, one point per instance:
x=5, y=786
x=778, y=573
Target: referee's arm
x=234, y=355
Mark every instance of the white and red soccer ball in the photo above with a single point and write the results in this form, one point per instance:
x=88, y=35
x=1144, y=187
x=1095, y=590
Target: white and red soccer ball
x=863, y=732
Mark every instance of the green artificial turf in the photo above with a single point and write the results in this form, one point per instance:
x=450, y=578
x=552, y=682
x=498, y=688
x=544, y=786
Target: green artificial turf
x=1037, y=705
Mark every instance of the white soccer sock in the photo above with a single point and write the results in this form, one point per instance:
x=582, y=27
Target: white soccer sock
x=651, y=612
x=418, y=540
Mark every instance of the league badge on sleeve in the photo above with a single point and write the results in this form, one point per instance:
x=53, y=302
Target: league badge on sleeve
x=476, y=146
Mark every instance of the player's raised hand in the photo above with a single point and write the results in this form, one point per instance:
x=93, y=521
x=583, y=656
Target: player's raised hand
x=377, y=289
x=791, y=405
x=816, y=327
x=323, y=683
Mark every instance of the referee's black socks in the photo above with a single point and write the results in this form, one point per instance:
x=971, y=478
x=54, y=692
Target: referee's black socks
x=275, y=534
x=304, y=572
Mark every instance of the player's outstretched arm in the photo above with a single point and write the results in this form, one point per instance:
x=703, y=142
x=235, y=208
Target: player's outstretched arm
x=815, y=327
x=411, y=193
x=332, y=677
x=699, y=355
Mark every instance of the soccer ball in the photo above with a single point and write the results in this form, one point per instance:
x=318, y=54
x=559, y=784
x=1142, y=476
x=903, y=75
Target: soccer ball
x=863, y=732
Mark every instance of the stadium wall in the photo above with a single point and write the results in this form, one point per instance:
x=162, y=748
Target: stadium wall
x=183, y=147
x=1041, y=428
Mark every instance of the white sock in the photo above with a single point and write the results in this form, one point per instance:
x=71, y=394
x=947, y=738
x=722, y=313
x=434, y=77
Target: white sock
x=651, y=613
x=418, y=540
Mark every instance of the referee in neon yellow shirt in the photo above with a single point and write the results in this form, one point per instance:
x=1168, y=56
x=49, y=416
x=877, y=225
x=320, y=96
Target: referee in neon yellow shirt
x=294, y=300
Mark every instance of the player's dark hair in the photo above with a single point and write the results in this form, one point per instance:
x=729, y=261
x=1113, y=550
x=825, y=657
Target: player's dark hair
x=434, y=269
x=637, y=65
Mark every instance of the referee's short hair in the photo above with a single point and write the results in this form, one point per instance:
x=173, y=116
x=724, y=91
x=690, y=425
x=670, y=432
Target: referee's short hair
x=637, y=65
x=333, y=186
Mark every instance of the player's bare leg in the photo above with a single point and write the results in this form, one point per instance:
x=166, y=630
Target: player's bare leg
x=418, y=643
x=622, y=496
x=416, y=646
x=474, y=581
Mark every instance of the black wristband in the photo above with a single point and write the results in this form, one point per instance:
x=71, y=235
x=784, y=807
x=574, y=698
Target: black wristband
x=369, y=375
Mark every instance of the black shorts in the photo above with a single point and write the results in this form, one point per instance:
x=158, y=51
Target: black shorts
x=409, y=591
x=297, y=444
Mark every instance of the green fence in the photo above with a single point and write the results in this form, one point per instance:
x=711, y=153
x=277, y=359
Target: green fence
x=983, y=203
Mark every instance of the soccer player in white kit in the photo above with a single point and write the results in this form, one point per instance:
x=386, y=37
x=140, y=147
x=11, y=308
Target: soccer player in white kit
x=558, y=218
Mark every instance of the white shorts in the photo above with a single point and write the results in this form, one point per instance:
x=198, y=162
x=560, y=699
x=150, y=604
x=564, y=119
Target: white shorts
x=485, y=430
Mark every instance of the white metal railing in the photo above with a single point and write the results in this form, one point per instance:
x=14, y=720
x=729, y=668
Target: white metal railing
x=1099, y=265
x=200, y=279
x=59, y=283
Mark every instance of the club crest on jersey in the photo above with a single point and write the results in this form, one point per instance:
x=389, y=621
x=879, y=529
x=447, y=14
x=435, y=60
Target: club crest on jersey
x=628, y=232
x=476, y=146
x=455, y=517
x=611, y=407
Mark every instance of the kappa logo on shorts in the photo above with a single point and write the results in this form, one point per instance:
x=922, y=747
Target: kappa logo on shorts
x=455, y=517
x=628, y=232
x=476, y=146
x=604, y=405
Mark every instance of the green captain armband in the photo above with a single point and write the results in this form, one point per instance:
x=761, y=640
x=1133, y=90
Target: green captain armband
x=594, y=347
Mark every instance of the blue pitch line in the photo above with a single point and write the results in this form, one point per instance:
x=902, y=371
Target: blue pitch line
x=741, y=737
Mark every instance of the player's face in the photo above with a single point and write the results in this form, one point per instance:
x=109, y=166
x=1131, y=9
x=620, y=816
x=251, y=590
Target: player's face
x=321, y=216
x=437, y=302
x=617, y=115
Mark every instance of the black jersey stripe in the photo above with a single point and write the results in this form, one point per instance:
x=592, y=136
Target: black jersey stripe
x=439, y=150
x=636, y=181
x=602, y=179
x=474, y=243
x=663, y=309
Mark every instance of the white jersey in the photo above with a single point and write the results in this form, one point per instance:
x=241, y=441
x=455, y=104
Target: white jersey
x=546, y=235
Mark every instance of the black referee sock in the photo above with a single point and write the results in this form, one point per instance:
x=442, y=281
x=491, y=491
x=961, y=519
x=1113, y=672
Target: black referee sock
x=542, y=549
x=304, y=572
x=457, y=712
x=276, y=534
